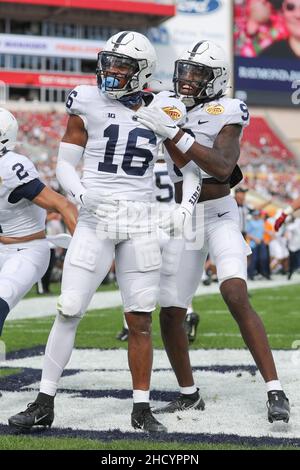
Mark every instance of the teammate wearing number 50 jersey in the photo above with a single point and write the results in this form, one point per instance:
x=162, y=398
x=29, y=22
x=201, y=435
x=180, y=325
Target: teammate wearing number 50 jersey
x=211, y=139
x=24, y=249
x=115, y=194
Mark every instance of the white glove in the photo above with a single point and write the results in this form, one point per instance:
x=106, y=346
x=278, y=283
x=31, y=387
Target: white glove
x=158, y=121
x=175, y=223
x=100, y=204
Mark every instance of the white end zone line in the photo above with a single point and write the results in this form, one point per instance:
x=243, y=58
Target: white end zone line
x=45, y=306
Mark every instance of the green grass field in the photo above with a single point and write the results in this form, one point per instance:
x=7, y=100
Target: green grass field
x=55, y=289
x=278, y=307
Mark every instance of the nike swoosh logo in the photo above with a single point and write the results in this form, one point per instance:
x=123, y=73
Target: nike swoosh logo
x=37, y=420
x=21, y=249
x=171, y=127
x=202, y=122
x=223, y=213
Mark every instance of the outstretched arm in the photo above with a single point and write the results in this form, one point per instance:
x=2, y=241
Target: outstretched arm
x=218, y=161
x=49, y=199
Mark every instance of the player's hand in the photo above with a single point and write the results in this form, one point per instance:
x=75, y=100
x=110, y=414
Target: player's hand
x=61, y=240
x=158, y=121
x=175, y=223
x=280, y=221
x=69, y=213
x=97, y=202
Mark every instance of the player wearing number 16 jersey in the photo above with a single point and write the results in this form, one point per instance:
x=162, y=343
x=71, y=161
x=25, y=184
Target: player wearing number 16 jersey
x=115, y=194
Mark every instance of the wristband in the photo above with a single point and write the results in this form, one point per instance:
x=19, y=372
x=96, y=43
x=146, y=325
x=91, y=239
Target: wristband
x=185, y=142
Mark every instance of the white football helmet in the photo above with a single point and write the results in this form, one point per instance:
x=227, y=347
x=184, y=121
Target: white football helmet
x=128, y=51
x=201, y=73
x=8, y=131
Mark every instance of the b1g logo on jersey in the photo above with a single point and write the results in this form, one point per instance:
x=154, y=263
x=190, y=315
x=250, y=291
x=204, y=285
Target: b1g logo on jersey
x=198, y=7
x=215, y=109
x=173, y=112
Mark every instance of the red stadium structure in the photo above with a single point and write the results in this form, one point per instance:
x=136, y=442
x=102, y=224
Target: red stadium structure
x=49, y=46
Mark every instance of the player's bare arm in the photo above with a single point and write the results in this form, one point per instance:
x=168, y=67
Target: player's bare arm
x=218, y=161
x=75, y=132
x=49, y=199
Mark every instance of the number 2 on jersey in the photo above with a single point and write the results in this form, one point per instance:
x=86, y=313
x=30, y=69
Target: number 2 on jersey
x=21, y=173
x=132, y=150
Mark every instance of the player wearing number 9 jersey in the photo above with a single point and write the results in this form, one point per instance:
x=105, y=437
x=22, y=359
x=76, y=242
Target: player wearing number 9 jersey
x=115, y=194
x=211, y=139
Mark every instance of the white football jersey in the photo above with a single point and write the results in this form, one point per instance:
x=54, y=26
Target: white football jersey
x=23, y=217
x=120, y=153
x=205, y=121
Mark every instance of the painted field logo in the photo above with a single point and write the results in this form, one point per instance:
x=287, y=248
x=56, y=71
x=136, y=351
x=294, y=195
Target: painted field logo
x=198, y=7
x=215, y=109
x=2, y=351
x=95, y=396
x=173, y=112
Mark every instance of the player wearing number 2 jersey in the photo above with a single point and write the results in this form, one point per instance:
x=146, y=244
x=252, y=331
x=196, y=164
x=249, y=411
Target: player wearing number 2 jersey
x=116, y=216
x=24, y=250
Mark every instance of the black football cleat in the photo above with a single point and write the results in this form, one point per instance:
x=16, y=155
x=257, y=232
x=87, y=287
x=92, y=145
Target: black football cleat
x=144, y=419
x=278, y=406
x=190, y=324
x=36, y=414
x=183, y=403
x=123, y=335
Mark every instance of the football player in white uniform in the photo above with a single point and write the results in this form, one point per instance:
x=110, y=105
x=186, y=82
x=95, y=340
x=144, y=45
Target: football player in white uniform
x=165, y=199
x=213, y=131
x=24, y=249
x=115, y=194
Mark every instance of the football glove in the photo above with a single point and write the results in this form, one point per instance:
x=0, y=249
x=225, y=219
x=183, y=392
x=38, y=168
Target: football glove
x=98, y=203
x=158, y=121
x=175, y=223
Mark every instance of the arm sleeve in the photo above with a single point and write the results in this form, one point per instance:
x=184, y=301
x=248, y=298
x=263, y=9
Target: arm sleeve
x=28, y=191
x=69, y=156
x=191, y=186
